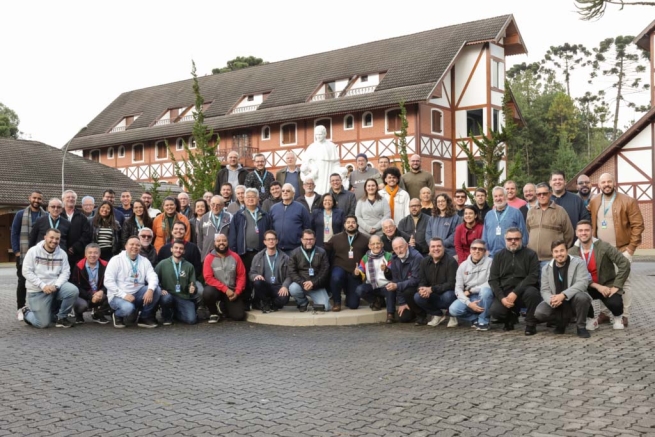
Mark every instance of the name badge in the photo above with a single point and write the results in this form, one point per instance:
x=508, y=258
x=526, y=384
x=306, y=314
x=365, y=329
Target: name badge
x=272, y=279
x=603, y=224
x=136, y=281
x=498, y=230
x=178, y=288
x=256, y=230
x=351, y=255
x=263, y=189
x=311, y=271
x=327, y=230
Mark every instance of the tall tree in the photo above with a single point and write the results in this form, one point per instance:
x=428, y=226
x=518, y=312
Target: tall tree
x=564, y=59
x=566, y=159
x=238, y=63
x=624, y=64
x=197, y=172
x=9, y=122
x=595, y=9
x=563, y=116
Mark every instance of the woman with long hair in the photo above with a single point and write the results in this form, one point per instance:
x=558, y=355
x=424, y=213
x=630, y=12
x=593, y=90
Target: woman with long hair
x=200, y=208
x=327, y=220
x=106, y=231
x=425, y=196
x=371, y=209
x=443, y=223
x=138, y=220
x=467, y=232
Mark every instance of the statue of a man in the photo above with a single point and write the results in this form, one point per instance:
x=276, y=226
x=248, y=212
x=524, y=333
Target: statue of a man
x=320, y=160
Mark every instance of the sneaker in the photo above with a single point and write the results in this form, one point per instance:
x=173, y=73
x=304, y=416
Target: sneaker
x=20, y=314
x=436, y=320
x=482, y=327
x=452, y=322
x=592, y=324
x=390, y=318
x=266, y=308
x=559, y=330
x=303, y=308
x=529, y=330
x=99, y=318
x=79, y=319
x=583, y=333
x=146, y=323
x=167, y=322
x=214, y=318
x=420, y=321
x=118, y=321
x=64, y=323
x=618, y=323
x=474, y=324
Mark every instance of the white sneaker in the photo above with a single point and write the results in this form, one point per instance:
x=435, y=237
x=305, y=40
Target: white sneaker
x=618, y=322
x=452, y=322
x=436, y=320
x=592, y=324
x=20, y=314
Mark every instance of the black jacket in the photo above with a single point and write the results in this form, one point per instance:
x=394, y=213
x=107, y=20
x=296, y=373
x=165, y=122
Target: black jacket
x=299, y=268
x=42, y=225
x=439, y=276
x=513, y=271
x=387, y=242
x=79, y=235
x=223, y=174
x=407, y=226
x=80, y=278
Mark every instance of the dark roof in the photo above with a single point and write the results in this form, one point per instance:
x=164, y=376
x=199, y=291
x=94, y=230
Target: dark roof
x=413, y=65
x=31, y=165
x=643, y=39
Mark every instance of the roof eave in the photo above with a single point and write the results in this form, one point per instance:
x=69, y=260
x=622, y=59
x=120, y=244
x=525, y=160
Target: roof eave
x=643, y=39
x=516, y=48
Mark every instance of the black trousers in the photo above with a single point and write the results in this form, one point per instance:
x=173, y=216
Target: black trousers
x=614, y=303
x=247, y=263
x=414, y=310
x=577, y=307
x=235, y=309
x=21, y=291
x=267, y=292
x=528, y=297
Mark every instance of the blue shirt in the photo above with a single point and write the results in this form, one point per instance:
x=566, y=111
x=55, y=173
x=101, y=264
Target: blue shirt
x=509, y=218
x=293, y=179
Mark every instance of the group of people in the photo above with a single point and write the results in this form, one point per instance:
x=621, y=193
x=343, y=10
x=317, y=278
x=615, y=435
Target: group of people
x=261, y=239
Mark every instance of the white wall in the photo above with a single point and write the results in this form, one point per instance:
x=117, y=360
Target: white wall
x=461, y=171
x=373, y=80
x=643, y=139
x=496, y=98
x=257, y=100
x=476, y=91
x=497, y=51
x=627, y=173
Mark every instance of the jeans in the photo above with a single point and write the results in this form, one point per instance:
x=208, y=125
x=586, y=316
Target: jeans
x=123, y=308
x=578, y=306
x=184, y=310
x=197, y=296
x=461, y=311
x=435, y=303
x=319, y=297
x=21, y=291
x=267, y=292
x=367, y=292
x=42, y=308
x=346, y=281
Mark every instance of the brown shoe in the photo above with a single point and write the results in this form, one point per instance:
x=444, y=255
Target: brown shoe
x=602, y=318
x=336, y=308
x=625, y=321
x=390, y=318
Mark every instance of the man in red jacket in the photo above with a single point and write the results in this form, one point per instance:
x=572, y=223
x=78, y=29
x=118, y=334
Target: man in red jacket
x=89, y=278
x=225, y=279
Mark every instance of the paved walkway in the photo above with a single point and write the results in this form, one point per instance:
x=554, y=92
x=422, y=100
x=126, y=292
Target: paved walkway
x=370, y=380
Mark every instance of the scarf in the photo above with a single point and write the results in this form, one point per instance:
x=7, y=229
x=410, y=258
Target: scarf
x=25, y=229
x=370, y=267
x=392, y=194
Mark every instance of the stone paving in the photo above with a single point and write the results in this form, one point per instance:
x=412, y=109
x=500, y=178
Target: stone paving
x=369, y=380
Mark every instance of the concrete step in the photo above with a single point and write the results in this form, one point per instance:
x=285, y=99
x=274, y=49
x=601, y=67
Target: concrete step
x=289, y=316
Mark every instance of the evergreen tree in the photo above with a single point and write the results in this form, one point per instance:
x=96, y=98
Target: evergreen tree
x=401, y=137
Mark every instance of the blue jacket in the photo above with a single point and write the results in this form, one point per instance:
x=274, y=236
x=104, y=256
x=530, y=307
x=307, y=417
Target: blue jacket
x=444, y=228
x=405, y=274
x=318, y=223
x=289, y=221
x=237, y=235
x=509, y=218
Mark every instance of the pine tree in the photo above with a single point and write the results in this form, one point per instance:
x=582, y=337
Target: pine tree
x=401, y=137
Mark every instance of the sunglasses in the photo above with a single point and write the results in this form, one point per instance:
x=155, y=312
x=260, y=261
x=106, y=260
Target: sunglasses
x=145, y=236
x=543, y=194
x=513, y=238
x=480, y=249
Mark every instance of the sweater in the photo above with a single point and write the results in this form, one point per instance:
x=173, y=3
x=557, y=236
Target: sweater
x=444, y=228
x=371, y=216
x=163, y=234
x=382, y=280
x=289, y=221
x=168, y=279
x=472, y=277
x=574, y=207
x=509, y=218
x=224, y=272
x=339, y=247
x=440, y=276
x=119, y=276
x=41, y=268
x=191, y=254
x=358, y=178
x=415, y=181
x=208, y=231
x=513, y=271
x=464, y=237
x=546, y=226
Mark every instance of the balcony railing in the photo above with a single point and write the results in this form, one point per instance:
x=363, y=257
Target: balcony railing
x=163, y=122
x=118, y=129
x=241, y=109
x=337, y=94
x=246, y=152
x=186, y=118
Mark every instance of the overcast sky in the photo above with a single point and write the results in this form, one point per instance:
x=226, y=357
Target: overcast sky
x=65, y=61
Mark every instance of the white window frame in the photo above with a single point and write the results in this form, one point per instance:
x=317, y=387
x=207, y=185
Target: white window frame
x=495, y=74
x=157, y=158
x=441, y=122
x=495, y=116
x=110, y=153
x=443, y=171
x=121, y=152
x=192, y=143
x=386, y=120
x=179, y=144
x=269, y=133
x=96, y=151
x=329, y=137
x=345, y=127
x=282, y=134
x=364, y=120
x=143, y=153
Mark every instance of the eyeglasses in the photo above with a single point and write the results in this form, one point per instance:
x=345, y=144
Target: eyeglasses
x=288, y=191
x=543, y=194
x=145, y=236
x=513, y=238
x=414, y=206
x=476, y=249
x=54, y=206
x=460, y=197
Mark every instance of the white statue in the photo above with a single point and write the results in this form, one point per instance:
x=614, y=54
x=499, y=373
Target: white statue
x=320, y=160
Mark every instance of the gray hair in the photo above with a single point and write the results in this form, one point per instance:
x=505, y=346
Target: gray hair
x=252, y=190
x=88, y=198
x=67, y=192
x=290, y=187
x=498, y=188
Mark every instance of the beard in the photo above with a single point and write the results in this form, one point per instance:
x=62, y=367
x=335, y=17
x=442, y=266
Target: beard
x=585, y=191
x=308, y=249
x=519, y=247
x=145, y=244
x=220, y=250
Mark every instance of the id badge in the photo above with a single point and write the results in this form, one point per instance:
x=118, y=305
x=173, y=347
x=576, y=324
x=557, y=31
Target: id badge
x=327, y=230
x=263, y=189
x=256, y=230
x=603, y=224
x=351, y=255
x=178, y=288
x=272, y=279
x=136, y=281
x=311, y=271
x=498, y=231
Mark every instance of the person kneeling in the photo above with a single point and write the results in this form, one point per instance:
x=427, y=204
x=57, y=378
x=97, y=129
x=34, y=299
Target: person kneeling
x=436, y=287
x=89, y=278
x=225, y=276
x=564, y=282
x=177, y=280
x=309, y=269
x=268, y=273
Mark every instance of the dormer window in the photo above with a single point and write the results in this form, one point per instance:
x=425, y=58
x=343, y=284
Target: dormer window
x=364, y=78
x=251, y=98
x=350, y=86
x=175, y=115
x=124, y=123
x=249, y=102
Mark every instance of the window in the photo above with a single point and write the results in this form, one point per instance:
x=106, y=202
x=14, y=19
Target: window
x=496, y=74
x=161, y=151
x=137, y=153
x=393, y=120
x=348, y=122
x=327, y=124
x=192, y=143
x=110, y=153
x=474, y=122
x=94, y=155
x=288, y=133
x=367, y=119
x=179, y=144
x=437, y=117
x=437, y=172
x=266, y=133
x=330, y=90
x=495, y=120
x=121, y=152
x=251, y=98
x=472, y=177
x=364, y=78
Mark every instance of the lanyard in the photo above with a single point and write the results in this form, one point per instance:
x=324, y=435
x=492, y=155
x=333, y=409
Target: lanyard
x=327, y=218
x=254, y=217
x=350, y=241
x=56, y=225
x=139, y=225
x=261, y=180
x=309, y=259
x=216, y=221
x=610, y=206
x=591, y=253
x=177, y=268
x=272, y=266
x=93, y=276
x=560, y=277
x=499, y=219
x=135, y=265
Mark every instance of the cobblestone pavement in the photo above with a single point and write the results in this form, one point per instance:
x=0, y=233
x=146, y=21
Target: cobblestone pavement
x=373, y=380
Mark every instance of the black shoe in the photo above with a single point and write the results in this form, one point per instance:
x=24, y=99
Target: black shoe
x=559, y=330
x=147, y=323
x=118, y=321
x=99, y=318
x=509, y=326
x=420, y=321
x=64, y=323
x=390, y=318
x=583, y=333
x=79, y=319
x=266, y=308
x=302, y=308
x=376, y=305
x=530, y=330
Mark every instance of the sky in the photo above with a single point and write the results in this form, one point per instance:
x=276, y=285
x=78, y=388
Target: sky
x=65, y=61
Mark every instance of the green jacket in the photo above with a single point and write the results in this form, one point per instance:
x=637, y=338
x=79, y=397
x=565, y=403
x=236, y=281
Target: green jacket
x=607, y=256
x=168, y=280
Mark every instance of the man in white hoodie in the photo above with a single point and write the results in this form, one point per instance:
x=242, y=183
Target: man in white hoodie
x=46, y=273
x=132, y=285
x=474, y=295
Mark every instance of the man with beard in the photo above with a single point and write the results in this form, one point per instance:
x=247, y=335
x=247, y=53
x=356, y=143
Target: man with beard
x=345, y=249
x=232, y=173
x=177, y=280
x=572, y=204
x=225, y=279
x=132, y=286
x=309, y=270
x=609, y=270
x=52, y=220
x=373, y=270
x=530, y=195
x=260, y=178
x=191, y=254
x=617, y=220
x=397, y=197
x=564, y=282
x=275, y=197
x=126, y=204
x=268, y=274
x=216, y=221
x=436, y=287
x=416, y=178
x=345, y=200
x=147, y=249
x=584, y=189
x=146, y=198
x=46, y=273
x=226, y=192
x=80, y=233
x=390, y=232
x=415, y=225
x=21, y=227
x=499, y=220
x=514, y=279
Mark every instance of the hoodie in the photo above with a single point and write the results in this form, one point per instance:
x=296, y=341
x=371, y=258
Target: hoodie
x=41, y=268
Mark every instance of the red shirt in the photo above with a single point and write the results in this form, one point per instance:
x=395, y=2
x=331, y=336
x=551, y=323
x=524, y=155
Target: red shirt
x=591, y=264
x=463, y=239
